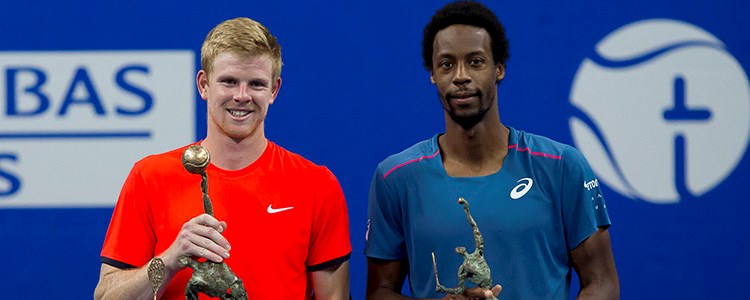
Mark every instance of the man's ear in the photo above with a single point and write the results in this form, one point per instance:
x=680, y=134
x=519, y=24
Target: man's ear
x=500, y=71
x=275, y=92
x=201, y=81
x=432, y=78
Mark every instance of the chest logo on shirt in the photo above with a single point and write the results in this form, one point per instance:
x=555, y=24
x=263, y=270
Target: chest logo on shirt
x=272, y=210
x=523, y=187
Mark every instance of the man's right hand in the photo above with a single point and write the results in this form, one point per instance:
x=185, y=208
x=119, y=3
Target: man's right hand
x=199, y=237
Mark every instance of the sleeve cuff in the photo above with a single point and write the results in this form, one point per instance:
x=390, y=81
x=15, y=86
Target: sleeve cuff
x=117, y=264
x=330, y=263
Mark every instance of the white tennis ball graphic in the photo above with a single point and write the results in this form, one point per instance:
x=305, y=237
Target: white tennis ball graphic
x=663, y=111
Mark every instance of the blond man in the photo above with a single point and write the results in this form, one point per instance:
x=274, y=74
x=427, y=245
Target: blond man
x=280, y=221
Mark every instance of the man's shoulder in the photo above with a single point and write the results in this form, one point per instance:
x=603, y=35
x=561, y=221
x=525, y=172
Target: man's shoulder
x=421, y=151
x=294, y=159
x=546, y=152
x=289, y=163
x=537, y=145
x=161, y=161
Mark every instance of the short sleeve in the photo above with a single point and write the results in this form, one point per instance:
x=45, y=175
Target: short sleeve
x=384, y=237
x=130, y=239
x=584, y=209
x=329, y=244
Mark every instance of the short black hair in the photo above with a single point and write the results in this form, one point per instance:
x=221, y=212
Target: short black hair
x=466, y=13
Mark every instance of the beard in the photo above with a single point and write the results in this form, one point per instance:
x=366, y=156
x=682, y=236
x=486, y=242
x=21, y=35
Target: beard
x=469, y=119
x=468, y=122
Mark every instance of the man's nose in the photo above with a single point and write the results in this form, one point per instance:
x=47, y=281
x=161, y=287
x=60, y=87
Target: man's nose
x=462, y=75
x=243, y=93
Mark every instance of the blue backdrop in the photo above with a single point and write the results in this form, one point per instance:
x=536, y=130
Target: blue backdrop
x=354, y=91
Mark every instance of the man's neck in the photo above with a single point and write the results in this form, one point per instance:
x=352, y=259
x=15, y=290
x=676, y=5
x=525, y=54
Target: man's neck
x=476, y=151
x=229, y=154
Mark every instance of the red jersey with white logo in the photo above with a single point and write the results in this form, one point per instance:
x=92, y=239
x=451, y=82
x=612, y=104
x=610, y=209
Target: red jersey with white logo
x=285, y=217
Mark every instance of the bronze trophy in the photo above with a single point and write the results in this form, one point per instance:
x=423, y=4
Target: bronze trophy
x=474, y=267
x=210, y=278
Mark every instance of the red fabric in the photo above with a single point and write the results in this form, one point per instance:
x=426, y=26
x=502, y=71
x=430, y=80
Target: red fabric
x=270, y=252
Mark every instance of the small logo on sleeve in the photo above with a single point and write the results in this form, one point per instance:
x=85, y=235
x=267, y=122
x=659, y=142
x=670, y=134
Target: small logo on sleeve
x=367, y=232
x=591, y=184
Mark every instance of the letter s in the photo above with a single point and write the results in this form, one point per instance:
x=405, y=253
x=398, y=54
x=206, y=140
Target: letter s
x=148, y=101
x=13, y=180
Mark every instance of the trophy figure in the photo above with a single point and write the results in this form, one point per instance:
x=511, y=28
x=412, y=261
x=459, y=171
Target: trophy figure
x=474, y=267
x=210, y=278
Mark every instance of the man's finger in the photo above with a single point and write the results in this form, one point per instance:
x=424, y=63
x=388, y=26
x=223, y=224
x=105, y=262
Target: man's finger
x=223, y=226
x=210, y=221
x=497, y=289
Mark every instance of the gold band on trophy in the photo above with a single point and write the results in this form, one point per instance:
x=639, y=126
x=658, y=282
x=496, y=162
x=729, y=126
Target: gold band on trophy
x=156, y=273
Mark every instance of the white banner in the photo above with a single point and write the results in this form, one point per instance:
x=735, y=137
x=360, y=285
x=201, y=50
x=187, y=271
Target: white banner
x=73, y=123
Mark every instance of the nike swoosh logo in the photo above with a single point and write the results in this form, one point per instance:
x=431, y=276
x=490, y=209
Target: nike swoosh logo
x=272, y=210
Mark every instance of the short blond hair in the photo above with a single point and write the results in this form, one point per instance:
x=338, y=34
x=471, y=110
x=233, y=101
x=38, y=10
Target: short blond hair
x=243, y=37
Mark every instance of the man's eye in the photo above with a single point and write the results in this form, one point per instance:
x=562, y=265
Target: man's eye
x=476, y=61
x=257, y=83
x=446, y=65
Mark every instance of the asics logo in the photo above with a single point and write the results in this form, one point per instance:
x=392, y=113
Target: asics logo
x=522, y=188
x=272, y=210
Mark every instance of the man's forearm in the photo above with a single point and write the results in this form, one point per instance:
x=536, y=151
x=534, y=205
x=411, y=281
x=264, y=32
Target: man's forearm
x=599, y=290
x=127, y=284
x=331, y=283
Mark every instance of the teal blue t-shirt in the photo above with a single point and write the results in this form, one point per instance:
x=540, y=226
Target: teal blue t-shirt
x=543, y=202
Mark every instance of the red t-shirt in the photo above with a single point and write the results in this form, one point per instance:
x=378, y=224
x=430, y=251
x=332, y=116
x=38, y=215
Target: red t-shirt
x=285, y=217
